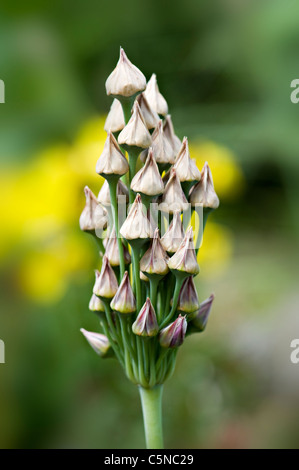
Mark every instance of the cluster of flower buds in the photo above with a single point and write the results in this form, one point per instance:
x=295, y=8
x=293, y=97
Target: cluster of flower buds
x=145, y=295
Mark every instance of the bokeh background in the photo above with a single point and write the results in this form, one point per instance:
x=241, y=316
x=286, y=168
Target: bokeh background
x=225, y=68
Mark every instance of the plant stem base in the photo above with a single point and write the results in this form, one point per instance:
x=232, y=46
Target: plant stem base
x=151, y=400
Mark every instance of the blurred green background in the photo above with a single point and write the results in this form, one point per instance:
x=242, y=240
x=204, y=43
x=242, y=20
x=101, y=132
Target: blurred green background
x=225, y=68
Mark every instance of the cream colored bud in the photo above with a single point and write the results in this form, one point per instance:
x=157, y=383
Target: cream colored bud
x=99, y=343
x=184, y=260
x=171, y=136
x=126, y=80
x=173, y=198
x=150, y=116
x=143, y=277
x=155, y=259
x=124, y=300
x=106, y=282
x=135, y=133
x=148, y=179
x=162, y=149
x=95, y=304
x=174, y=235
x=154, y=98
x=137, y=226
x=111, y=161
x=115, y=120
x=203, y=192
x=104, y=194
x=146, y=323
x=93, y=216
x=112, y=251
x=186, y=168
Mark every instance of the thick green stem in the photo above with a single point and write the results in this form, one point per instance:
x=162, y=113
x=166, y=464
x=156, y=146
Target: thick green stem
x=113, y=197
x=151, y=400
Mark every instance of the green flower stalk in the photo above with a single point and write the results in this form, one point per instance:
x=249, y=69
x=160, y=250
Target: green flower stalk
x=145, y=295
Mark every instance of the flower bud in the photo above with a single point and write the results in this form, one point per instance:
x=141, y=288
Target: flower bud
x=106, y=282
x=200, y=317
x=203, y=192
x=184, y=260
x=93, y=216
x=126, y=80
x=148, y=179
x=146, y=322
x=170, y=135
x=173, y=198
x=143, y=277
x=173, y=335
x=95, y=304
x=111, y=161
x=188, y=299
x=124, y=300
x=174, y=235
x=154, y=261
x=154, y=98
x=135, y=133
x=136, y=226
x=186, y=168
x=115, y=120
x=104, y=194
x=112, y=251
x=162, y=150
x=150, y=116
x=99, y=343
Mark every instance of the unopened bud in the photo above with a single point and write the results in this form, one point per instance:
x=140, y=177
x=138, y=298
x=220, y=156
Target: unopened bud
x=99, y=343
x=136, y=226
x=146, y=322
x=162, y=150
x=148, y=179
x=200, y=317
x=173, y=198
x=112, y=251
x=150, y=116
x=126, y=80
x=188, y=299
x=124, y=300
x=184, y=260
x=93, y=216
x=115, y=120
x=135, y=133
x=106, y=283
x=156, y=101
x=203, y=192
x=186, y=168
x=155, y=259
x=104, y=194
x=174, y=235
x=111, y=161
x=174, y=334
x=171, y=136
x=95, y=304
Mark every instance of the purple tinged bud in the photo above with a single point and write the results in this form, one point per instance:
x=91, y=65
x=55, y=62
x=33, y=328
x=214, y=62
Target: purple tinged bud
x=93, y=216
x=184, y=260
x=99, y=343
x=174, y=235
x=186, y=168
x=155, y=259
x=146, y=322
x=151, y=118
x=136, y=226
x=188, y=299
x=200, y=317
x=203, y=193
x=106, y=283
x=124, y=300
x=173, y=335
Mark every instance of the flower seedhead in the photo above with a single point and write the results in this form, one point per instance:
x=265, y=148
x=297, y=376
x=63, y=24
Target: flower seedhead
x=136, y=226
x=155, y=259
x=150, y=116
x=173, y=335
x=135, y=133
x=111, y=161
x=146, y=322
x=126, y=80
x=99, y=343
x=148, y=179
x=188, y=299
x=203, y=192
x=171, y=136
x=184, y=260
x=112, y=251
x=115, y=120
x=95, y=304
x=104, y=194
x=173, y=198
x=93, y=216
x=124, y=300
x=174, y=235
x=106, y=282
x=186, y=168
x=200, y=317
x=154, y=98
